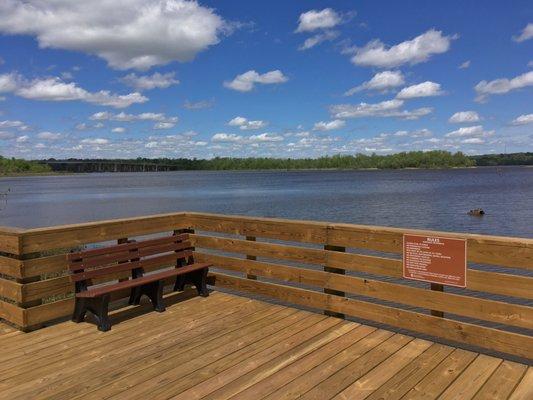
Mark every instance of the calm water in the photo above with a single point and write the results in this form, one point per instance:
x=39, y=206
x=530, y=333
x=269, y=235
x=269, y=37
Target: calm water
x=409, y=198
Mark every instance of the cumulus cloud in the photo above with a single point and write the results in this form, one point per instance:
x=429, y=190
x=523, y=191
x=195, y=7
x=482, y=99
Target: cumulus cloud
x=524, y=119
x=148, y=82
x=94, y=141
x=246, y=124
x=476, y=131
x=246, y=81
x=318, y=38
x=526, y=34
x=424, y=89
x=138, y=34
x=124, y=117
x=382, y=82
x=414, y=51
x=388, y=108
x=464, y=117
x=6, y=135
x=49, y=135
x=465, y=65
x=239, y=139
x=118, y=129
x=227, y=138
x=8, y=82
x=164, y=125
x=198, y=105
x=55, y=89
x=503, y=85
x=324, y=19
x=19, y=125
x=329, y=125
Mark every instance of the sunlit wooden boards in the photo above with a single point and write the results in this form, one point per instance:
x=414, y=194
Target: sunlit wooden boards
x=232, y=347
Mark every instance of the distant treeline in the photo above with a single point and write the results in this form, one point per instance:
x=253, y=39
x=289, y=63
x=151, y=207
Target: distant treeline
x=504, y=159
x=413, y=159
x=18, y=166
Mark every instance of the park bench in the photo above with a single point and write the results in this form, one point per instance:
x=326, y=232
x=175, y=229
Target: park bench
x=135, y=258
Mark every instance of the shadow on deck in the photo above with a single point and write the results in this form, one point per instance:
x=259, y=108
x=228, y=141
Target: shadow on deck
x=228, y=346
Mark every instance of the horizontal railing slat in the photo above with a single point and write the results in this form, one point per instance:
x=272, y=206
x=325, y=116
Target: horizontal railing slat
x=483, y=249
x=488, y=310
x=490, y=282
x=461, y=332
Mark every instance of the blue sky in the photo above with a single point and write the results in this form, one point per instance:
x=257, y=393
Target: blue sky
x=243, y=78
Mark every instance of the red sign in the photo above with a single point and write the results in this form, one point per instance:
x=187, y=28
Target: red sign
x=435, y=259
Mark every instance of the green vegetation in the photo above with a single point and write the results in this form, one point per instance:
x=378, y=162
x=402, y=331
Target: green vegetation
x=414, y=159
x=504, y=159
x=10, y=166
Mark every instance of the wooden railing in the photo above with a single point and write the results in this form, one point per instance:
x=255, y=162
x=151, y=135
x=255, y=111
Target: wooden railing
x=342, y=269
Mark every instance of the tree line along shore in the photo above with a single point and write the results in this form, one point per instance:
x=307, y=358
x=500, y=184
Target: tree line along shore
x=413, y=159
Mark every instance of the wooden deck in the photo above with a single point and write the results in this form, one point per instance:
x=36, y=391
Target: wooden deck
x=227, y=346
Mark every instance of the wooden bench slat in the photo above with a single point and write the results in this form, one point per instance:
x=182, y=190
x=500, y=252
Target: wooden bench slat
x=127, y=246
x=136, y=252
x=98, y=291
x=128, y=266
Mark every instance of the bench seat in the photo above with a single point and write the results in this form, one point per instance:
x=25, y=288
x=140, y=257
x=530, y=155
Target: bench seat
x=131, y=283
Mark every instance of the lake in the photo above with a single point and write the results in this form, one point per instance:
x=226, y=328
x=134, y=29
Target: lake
x=432, y=199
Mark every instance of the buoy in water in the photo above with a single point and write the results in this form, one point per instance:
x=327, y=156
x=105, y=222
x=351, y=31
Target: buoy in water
x=477, y=212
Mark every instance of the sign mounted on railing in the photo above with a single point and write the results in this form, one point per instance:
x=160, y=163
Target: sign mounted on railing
x=434, y=259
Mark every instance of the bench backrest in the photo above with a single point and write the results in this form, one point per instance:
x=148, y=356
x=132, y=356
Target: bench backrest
x=145, y=254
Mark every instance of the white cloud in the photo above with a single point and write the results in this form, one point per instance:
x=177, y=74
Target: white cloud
x=49, y=136
x=470, y=131
x=22, y=139
x=464, y=117
x=54, y=89
x=148, y=82
x=198, y=105
x=382, y=82
x=164, y=125
x=465, y=65
x=8, y=82
x=124, y=117
x=238, y=139
x=246, y=81
x=388, y=108
x=501, y=86
x=329, y=125
x=424, y=89
x=94, y=141
x=324, y=19
x=227, y=137
x=118, y=129
x=6, y=135
x=473, y=141
x=266, y=137
x=523, y=120
x=526, y=34
x=19, y=125
x=246, y=124
x=135, y=34
x=318, y=38
x=414, y=51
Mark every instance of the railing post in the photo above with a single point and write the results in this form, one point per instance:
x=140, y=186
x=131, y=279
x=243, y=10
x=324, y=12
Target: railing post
x=440, y=288
x=334, y=271
x=249, y=257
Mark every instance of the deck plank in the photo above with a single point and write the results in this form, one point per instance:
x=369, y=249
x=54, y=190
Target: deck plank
x=502, y=382
x=227, y=346
x=524, y=390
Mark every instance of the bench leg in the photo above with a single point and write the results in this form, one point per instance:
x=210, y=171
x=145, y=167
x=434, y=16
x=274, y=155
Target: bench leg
x=197, y=278
x=99, y=307
x=102, y=310
x=80, y=309
x=153, y=290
